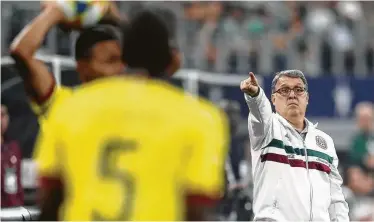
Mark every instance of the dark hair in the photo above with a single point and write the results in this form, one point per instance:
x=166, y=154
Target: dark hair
x=147, y=43
x=290, y=73
x=89, y=37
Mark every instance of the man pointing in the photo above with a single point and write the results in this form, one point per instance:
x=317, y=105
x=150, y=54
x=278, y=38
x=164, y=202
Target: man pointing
x=294, y=164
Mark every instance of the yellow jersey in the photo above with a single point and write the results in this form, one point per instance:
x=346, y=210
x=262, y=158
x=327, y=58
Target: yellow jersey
x=130, y=149
x=58, y=94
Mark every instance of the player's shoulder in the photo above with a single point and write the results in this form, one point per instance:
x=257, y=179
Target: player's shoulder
x=193, y=103
x=204, y=111
x=163, y=87
x=63, y=91
x=213, y=114
x=60, y=106
x=194, y=108
x=66, y=88
x=61, y=94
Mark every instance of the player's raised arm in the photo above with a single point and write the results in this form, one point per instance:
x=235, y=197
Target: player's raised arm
x=259, y=109
x=39, y=83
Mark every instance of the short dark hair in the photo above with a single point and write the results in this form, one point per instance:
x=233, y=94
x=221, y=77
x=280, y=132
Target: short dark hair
x=89, y=37
x=290, y=73
x=147, y=43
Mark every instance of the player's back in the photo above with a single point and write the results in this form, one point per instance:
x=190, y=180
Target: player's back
x=126, y=149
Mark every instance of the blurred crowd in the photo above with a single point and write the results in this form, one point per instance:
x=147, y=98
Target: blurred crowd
x=328, y=37
x=320, y=38
x=316, y=37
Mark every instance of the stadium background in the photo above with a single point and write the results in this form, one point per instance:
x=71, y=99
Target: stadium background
x=331, y=42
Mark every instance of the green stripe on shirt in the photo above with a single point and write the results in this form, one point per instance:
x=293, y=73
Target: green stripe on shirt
x=299, y=151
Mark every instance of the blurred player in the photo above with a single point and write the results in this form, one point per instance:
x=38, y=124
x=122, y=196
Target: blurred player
x=137, y=148
x=97, y=52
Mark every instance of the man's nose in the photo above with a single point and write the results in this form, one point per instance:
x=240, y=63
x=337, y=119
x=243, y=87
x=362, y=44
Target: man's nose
x=292, y=94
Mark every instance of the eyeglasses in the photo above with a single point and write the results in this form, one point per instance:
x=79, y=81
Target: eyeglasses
x=299, y=91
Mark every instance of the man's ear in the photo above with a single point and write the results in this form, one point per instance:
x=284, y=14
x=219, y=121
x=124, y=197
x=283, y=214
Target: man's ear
x=273, y=99
x=80, y=66
x=307, y=98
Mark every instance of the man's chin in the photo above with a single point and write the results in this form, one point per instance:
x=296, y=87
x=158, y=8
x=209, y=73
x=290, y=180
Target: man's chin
x=294, y=111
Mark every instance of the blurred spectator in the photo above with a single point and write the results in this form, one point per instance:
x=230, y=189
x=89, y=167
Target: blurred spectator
x=362, y=152
x=256, y=23
x=204, y=18
x=350, y=10
x=257, y=26
x=234, y=34
x=326, y=57
x=306, y=57
x=11, y=187
x=209, y=32
x=193, y=14
x=349, y=62
x=361, y=171
x=341, y=37
x=319, y=19
x=279, y=57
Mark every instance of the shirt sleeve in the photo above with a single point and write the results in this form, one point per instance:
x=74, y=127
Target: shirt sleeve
x=259, y=118
x=42, y=105
x=57, y=94
x=207, y=155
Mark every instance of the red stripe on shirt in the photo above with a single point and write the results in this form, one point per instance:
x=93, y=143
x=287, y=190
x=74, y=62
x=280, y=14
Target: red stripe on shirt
x=50, y=182
x=42, y=99
x=295, y=162
x=200, y=199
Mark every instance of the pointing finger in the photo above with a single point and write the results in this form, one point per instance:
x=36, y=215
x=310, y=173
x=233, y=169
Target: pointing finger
x=252, y=76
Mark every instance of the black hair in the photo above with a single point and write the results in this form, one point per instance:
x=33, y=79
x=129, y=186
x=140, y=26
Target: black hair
x=87, y=39
x=148, y=42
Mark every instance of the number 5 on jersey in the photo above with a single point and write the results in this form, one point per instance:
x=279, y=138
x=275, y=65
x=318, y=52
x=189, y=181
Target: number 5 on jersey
x=107, y=171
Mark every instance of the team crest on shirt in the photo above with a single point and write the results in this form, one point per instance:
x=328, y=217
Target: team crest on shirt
x=321, y=142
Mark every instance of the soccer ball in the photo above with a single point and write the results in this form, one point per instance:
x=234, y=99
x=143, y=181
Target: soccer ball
x=84, y=13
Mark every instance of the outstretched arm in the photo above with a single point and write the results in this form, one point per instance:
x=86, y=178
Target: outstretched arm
x=260, y=112
x=39, y=82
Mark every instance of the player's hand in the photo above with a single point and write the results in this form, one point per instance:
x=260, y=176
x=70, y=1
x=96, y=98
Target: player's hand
x=72, y=20
x=52, y=7
x=113, y=15
x=250, y=86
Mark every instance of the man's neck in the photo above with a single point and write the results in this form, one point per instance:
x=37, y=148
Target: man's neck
x=298, y=123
